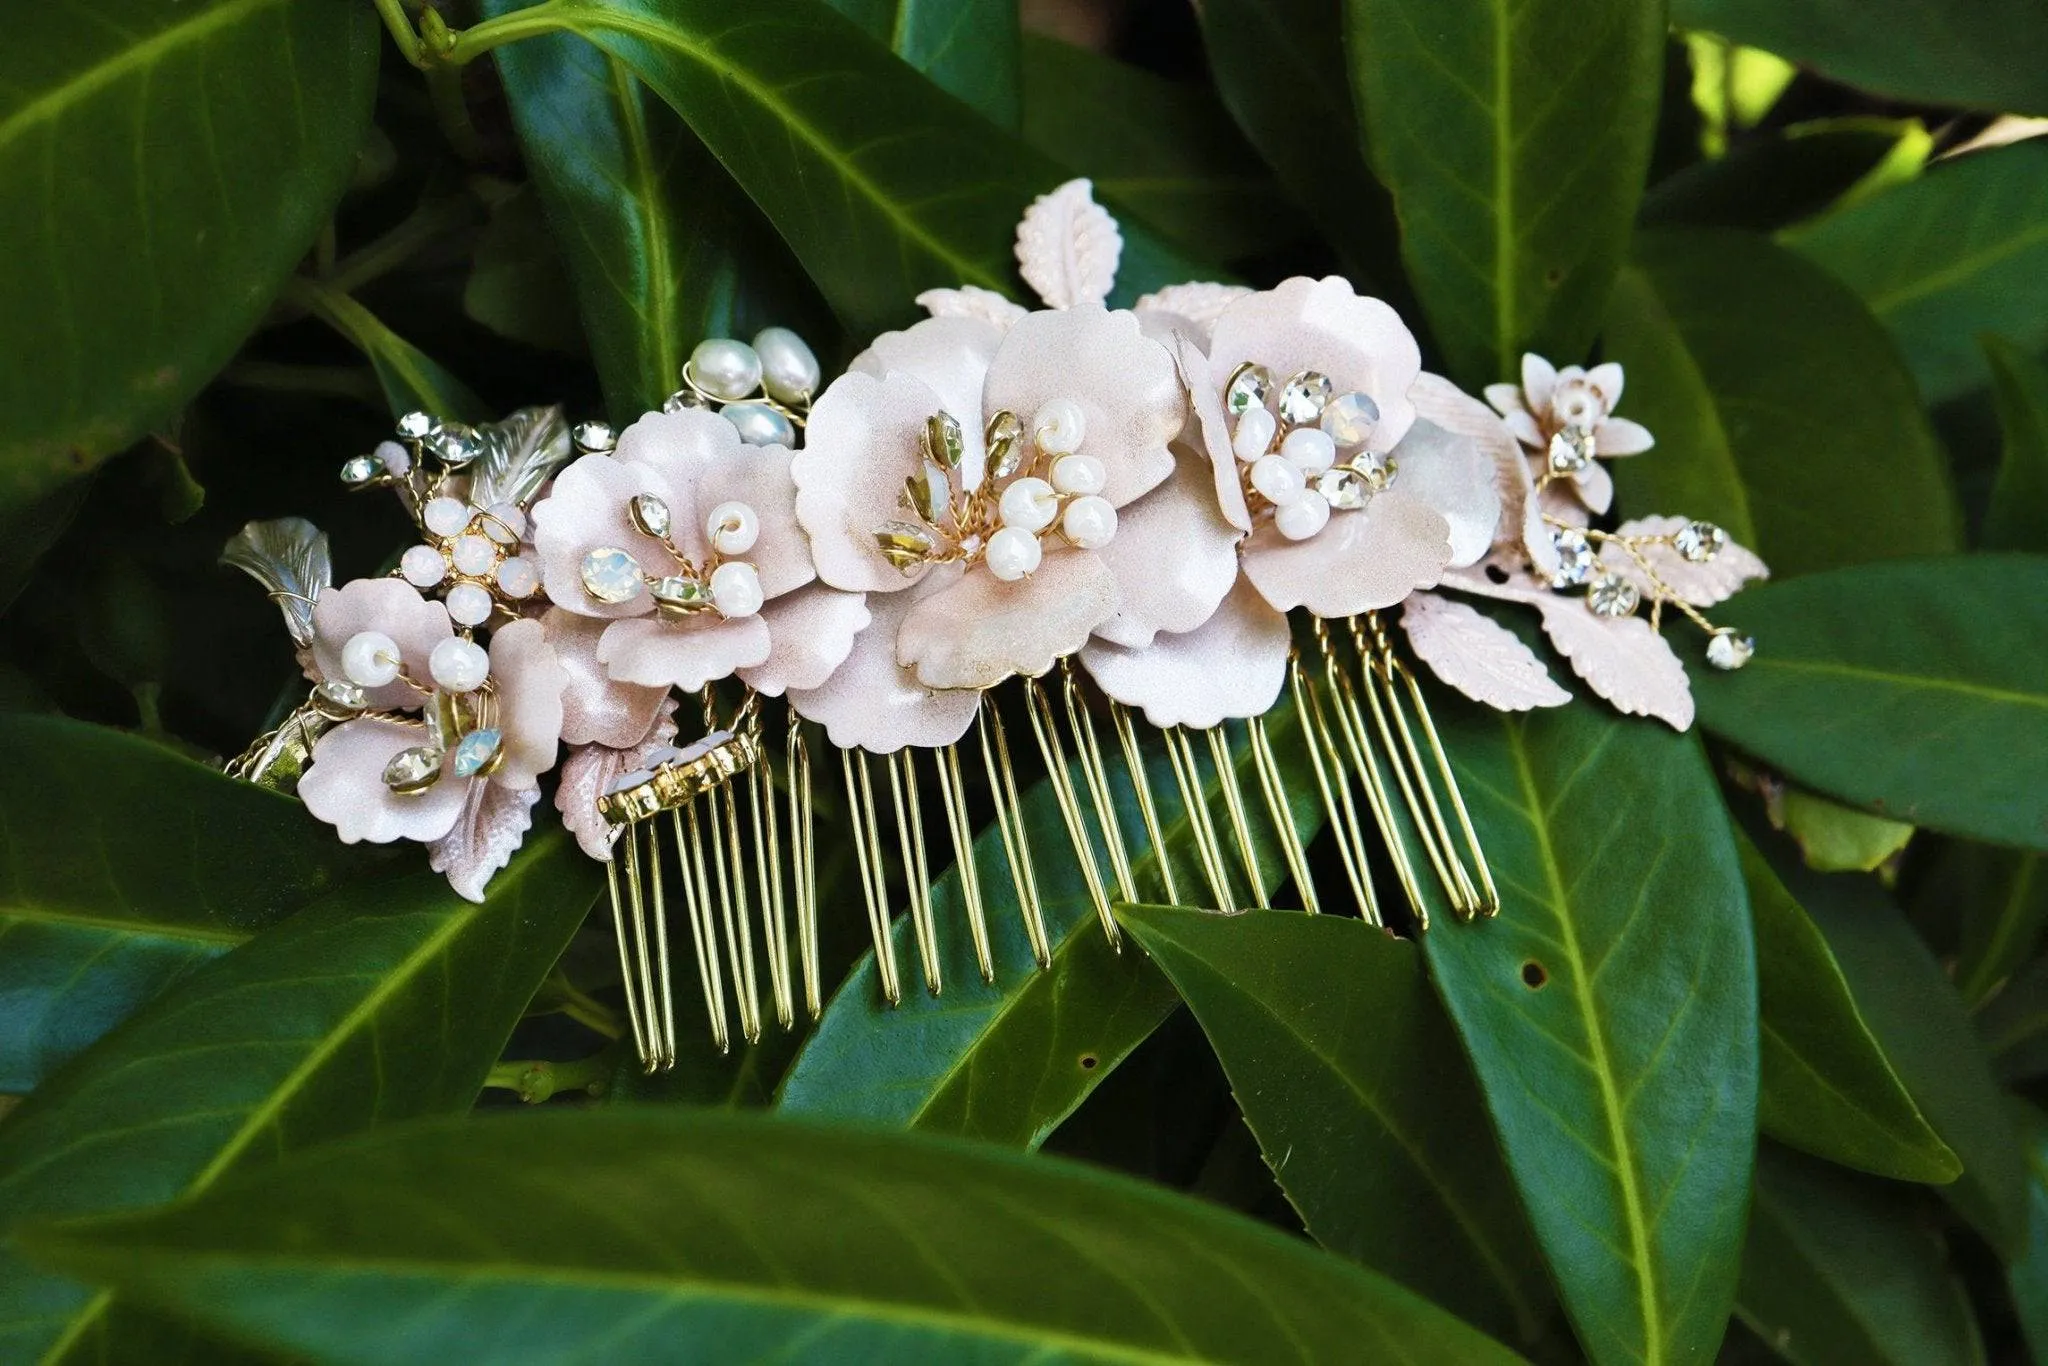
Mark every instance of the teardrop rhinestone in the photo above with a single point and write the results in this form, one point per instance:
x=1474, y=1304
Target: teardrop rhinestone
x=904, y=544
x=413, y=770
x=611, y=575
x=1612, y=596
x=1571, y=450
x=650, y=514
x=1699, y=542
x=341, y=693
x=677, y=595
x=1249, y=388
x=1349, y=419
x=929, y=492
x=478, y=753
x=944, y=444
x=1303, y=400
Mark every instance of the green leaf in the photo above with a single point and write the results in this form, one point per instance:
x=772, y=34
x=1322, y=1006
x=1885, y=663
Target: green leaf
x=1772, y=181
x=2017, y=517
x=1163, y=150
x=1944, y=259
x=968, y=48
x=664, y=249
x=1840, y=839
x=1915, y=689
x=518, y=285
x=1515, y=139
x=1007, y=1061
x=659, y=1233
x=123, y=866
x=1610, y=1011
x=1827, y=1086
x=1841, y=1272
x=411, y=379
x=1349, y=1074
x=2014, y=1024
x=2027, y=1275
x=1781, y=410
x=1990, y=54
x=2001, y=899
x=166, y=166
x=383, y=1001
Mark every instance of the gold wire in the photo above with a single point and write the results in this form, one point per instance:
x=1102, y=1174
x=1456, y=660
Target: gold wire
x=868, y=853
x=768, y=885
x=1002, y=781
x=953, y=794
x=643, y=968
x=1328, y=763
x=664, y=975
x=1416, y=790
x=1489, y=894
x=1148, y=805
x=1234, y=808
x=1096, y=772
x=732, y=899
x=1055, y=756
x=917, y=874
x=611, y=876
x=804, y=866
x=1280, y=810
x=1351, y=721
x=1187, y=775
x=703, y=934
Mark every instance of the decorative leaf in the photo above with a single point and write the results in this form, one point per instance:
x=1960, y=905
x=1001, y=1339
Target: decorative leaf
x=1373, y=1127
x=1701, y=584
x=774, y=1241
x=128, y=282
x=1068, y=247
x=1198, y=301
x=520, y=453
x=124, y=866
x=1610, y=1011
x=967, y=48
x=1950, y=256
x=2017, y=517
x=970, y=302
x=1773, y=396
x=1515, y=140
x=383, y=1001
x=1827, y=1087
x=1918, y=690
x=290, y=558
x=1840, y=1272
x=1624, y=661
x=411, y=380
x=1476, y=655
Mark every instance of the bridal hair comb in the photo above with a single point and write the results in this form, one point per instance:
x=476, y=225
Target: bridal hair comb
x=1163, y=558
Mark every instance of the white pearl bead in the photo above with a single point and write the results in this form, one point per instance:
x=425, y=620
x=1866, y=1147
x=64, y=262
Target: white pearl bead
x=1303, y=517
x=759, y=424
x=1079, y=474
x=469, y=604
x=446, y=516
x=789, y=368
x=1089, y=522
x=1277, y=480
x=517, y=578
x=725, y=368
x=1029, y=505
x=370, y=659
x=459, y=665
x=1254, y=434
x=473, y=554
x=422, y=566
x=732, y=527
x=396, y=458
x=1309, y=450
x=1060, y=426
x=736, y=589
x=1012, y=553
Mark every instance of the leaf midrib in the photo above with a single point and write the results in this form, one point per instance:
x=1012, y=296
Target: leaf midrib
x=1503, y=191
x=661, y=287
x=1769, y=664
x=45, y=915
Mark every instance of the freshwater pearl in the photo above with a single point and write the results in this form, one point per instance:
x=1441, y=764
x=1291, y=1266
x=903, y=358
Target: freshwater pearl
x=446, y=516
x=789, y=368
x=1303, y=517
x=1012, y=553
x=459, y=665
x=1089, y=522
x=736, y=589
x=422, y=566
x=1278, y=480
x=370, y=659
x=1309, y=450
x=1029, y=505
x=1254, y=435
x=725, y=368
x=732, y=528
x=1060, y=426
x=1079, y=474
x=469, y=604
x=759, y=424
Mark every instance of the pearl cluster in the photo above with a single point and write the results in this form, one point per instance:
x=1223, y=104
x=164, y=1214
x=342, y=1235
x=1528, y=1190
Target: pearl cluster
x=764, y=389
x=730, y=587
x=461, y=670
x=1289, y=438
x=1069, y=497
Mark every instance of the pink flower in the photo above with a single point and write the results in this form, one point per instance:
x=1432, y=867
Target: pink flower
x=1567, y=417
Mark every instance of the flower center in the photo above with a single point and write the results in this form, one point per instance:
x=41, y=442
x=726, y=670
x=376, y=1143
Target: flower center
x=1301, y=452
x=723, y=583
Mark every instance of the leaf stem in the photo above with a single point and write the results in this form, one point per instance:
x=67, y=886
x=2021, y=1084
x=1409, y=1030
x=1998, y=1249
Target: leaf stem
x=402, y=32
x=559, y=995
x=466, y=45
x=541, y=1080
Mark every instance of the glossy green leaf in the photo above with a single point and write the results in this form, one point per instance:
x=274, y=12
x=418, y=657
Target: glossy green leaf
x=1515, y=139
x=1915, y=689
x=657, y=1234
x=1163, y=150
x=2000, y=897
x=133, y=274
x=967, y=48
x=1944, y=259
x=1991, y=54
x=1776, y=180
x=1781, y=410
x=1834, y=838
x=1007, y=1061
x=2017, y=516
x=123, y=866
x=1611, y=1013
x=411, y=380
x=2014, y=1024
x=1841, y=1271
x=518, y=285
x=1827, y=1086
x=2027, y=1275
x=385, y=1000
x=664, y=249
x=1349, y=1074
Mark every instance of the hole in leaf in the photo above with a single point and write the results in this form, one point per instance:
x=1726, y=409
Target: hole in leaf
x=1089, y=1062
x=1533, y=975
x=1496, y=573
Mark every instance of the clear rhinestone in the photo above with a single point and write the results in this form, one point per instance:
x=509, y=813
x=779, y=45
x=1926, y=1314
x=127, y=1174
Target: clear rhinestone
x=1344, y=488
x=594, y=437
x=1304, y=398
x=681, y=401
x=416, y=426
x=944, y=443
x=1574, y=557
x=904, y=544
x=1700, y=541
x=344, y=694
x=1248, y=389
x=677, y=594
x=413, y=770
x=1377, y=470
x=1005, y=447
x=1349, y=419
x=1612, y=596
x=650, y=514
x=477, y=753
x=611, y=575
x=1726, y=649
x=454, y=443
x=1571, y=450
x=362, y=471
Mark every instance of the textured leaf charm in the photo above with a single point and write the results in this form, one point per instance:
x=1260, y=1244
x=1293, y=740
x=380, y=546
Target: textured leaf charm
x=519, y=455
x=971, y=301
x=289, y=557
x=1700, y=582
x=1622, y=659
x=1068, y=247
x=1199, y=301
x=1480, y=658
x=486, y=835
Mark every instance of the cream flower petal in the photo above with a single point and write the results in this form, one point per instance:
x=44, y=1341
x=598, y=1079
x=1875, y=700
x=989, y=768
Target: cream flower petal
x=1303, y=324
x=393, y=607
x=1362, y=561
x=1521, y=519
x=682, y=654
x=530, y=681
x=588, y=772
x=1539, y=382
x=679, y=448
x=810, y=633
x=345, y=786
x=759, y=476
x=1561, y=500
x=490, y=829
x=597, y=708
x=1596, y=487
x=1619, y=436
x=1212, y=427
x=1525, y=430
x=1231, y=666
x=951, y=355
x=1125, y=383
x=587, y=508
x=1505, y=398
x=871, y=702
x=860, y=445
x=1188, y=310
x=982, y=630
x=1606, y=382
x=1449, y=472
x=1173, y=555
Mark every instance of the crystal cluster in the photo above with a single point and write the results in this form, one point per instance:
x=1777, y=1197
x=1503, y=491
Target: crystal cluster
x=723, y=584
x=1290, y=439
x=763, y=389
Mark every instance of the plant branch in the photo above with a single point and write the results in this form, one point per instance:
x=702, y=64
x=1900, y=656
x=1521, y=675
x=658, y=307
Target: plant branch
x=541, y=1080
x=402, y=32
x=466, y=45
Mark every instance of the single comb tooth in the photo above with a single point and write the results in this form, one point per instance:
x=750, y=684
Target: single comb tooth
x=804, y=865
x=1187, y=775
x=703, y=935
x=1234, y=808
x=960, y=825
x=867, y=854
x=917, y=867
x=1148, y=804
x=1095, y=772
x=1327, y=763
x=1002, y=778
x=1061, y=778
x=1280, y=811
x=767, y=843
